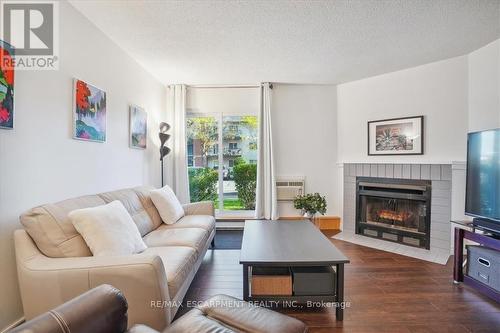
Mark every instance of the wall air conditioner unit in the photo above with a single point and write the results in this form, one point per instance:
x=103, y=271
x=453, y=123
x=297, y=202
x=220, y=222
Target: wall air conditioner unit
x=287, y=188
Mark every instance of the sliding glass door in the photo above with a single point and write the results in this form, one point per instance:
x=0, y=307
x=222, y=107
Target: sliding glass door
x=222, y=161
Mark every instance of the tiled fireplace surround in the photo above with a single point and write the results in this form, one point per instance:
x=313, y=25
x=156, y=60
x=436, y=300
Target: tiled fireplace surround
x=440, y=176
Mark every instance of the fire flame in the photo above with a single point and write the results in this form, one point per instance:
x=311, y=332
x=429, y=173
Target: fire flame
x=393, y=215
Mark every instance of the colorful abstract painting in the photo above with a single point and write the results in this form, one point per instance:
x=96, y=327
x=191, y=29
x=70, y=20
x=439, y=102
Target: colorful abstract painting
x=138, y=127
x=89, y=112
x=6, y=86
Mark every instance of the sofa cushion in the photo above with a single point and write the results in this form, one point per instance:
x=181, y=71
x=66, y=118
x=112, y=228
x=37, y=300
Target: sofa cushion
x=179, y=262
x=199, y=208
x=53, y=232
x=108, y=230
x=143, y=192
x=206, y=222
x=163, y=236
x=139, y=205
x=168, y=205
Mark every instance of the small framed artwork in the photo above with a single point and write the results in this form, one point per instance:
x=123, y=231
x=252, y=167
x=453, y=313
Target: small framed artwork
x=138, y=127
x=397, y=136
x=6, y=86
x=89, y=112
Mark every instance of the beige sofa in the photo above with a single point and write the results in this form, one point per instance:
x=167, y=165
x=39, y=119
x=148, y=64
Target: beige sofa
x=55, y=265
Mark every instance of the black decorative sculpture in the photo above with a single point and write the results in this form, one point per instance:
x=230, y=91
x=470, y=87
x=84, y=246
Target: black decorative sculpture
x=164, y=150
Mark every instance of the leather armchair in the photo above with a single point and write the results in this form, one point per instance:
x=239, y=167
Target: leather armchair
x=99, y=310
x=104, y=310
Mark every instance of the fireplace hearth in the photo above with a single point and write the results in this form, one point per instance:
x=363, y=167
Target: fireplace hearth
x=396, y=210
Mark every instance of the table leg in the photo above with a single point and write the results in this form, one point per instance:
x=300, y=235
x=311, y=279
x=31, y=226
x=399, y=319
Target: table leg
x=458, y=272
x=340, y=292
x=245, y=283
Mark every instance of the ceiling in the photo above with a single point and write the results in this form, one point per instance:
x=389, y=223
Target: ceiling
x=235, y=42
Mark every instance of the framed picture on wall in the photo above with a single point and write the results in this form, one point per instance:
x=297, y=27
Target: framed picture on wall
x=89, y=112
x=6, y=85
x=138, y=127
x=397, y=136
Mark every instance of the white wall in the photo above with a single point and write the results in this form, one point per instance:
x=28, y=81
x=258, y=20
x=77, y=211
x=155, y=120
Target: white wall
x=456, y=95
x=484, y=87
x=39, y=162
x=483, y=110
x=223, y=100
x=437, y=90
x=304, y=134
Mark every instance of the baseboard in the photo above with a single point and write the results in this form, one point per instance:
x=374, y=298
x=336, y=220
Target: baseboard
x=231, y=228
x=13, y=325
x=232, y=219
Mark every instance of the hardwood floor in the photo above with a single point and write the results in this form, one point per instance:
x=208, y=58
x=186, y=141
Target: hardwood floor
x=387, y=293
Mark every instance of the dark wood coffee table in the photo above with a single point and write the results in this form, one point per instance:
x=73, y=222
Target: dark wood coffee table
x=288, y=244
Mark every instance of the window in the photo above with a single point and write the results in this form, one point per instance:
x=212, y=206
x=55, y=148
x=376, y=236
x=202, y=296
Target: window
x=223, y=138
x=213, y=150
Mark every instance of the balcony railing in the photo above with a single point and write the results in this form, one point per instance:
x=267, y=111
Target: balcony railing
x=225, y=152
x=231, y=136
x=232, y=152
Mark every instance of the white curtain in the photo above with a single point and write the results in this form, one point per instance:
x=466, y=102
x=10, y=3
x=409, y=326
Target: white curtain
x=177, y=95
x=266, y=203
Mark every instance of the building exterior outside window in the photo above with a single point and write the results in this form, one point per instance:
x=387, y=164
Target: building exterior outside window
x=239, y=140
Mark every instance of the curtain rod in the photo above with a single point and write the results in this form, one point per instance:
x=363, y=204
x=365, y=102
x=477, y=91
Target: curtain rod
x=209, y=86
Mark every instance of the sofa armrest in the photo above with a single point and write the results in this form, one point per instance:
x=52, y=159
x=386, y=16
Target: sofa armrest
x=100, y=310
x=48, y=282
x=199, y=208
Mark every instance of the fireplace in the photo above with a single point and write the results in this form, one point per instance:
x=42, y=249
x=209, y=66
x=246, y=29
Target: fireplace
x=397, y=210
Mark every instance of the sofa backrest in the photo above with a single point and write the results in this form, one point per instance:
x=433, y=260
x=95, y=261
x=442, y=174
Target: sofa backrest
x=139, y=205
x=55, y=236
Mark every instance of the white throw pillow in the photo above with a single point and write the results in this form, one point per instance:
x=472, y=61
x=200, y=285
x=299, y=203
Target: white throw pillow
x=108, y=230
x=167, y=204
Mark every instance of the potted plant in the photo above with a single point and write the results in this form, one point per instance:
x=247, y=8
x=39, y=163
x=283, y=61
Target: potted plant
x=310, y=204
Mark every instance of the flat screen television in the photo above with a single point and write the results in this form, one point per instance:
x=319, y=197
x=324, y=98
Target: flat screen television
x=482, y=198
